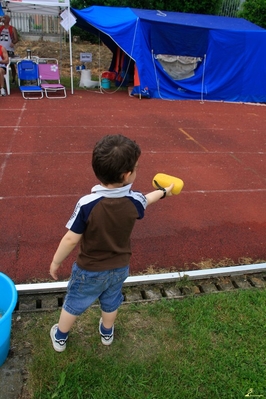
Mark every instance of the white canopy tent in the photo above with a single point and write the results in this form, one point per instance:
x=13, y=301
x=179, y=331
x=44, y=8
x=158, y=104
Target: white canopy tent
x=44, y=7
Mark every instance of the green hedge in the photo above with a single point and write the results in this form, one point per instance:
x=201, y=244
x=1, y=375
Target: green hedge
x=211, y=7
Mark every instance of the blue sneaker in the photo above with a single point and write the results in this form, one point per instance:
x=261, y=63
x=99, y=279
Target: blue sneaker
x=106, y=339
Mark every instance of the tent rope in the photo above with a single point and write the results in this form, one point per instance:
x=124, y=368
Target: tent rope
x=130, y=56
x=157, y=79
x=203, y=77
x=61, y=52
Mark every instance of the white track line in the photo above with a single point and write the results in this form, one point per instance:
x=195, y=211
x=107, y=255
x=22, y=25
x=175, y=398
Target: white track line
x=8, y=153
x=150, y=152
x=244, y=191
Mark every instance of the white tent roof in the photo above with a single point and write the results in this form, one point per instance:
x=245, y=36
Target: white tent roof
x=42, y=7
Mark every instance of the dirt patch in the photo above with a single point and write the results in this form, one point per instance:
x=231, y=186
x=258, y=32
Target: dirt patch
x=101, y=55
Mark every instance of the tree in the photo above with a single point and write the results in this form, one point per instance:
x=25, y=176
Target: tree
x=209, y=7
x=191, y=6
x=254, y=11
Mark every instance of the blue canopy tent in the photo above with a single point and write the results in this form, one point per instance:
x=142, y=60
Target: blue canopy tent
x=185, y=56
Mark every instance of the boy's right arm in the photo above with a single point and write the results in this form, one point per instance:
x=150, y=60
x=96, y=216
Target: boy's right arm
x=154, y=196
x=67, y=244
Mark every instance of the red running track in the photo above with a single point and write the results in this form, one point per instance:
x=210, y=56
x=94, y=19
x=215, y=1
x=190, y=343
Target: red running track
x=218, y=149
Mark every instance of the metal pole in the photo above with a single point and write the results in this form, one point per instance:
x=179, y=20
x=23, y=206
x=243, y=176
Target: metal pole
x=39, y=288
x=70, y=54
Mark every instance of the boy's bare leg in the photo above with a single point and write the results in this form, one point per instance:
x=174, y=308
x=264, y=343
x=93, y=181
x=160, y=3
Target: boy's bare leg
x=108, y=319
x=66, y=321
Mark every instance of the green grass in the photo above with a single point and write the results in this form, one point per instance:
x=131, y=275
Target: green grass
x=66, y=81
x=207, y=347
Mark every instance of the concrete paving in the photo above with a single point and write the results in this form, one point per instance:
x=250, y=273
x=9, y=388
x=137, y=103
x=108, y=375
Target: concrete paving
x=13, y=375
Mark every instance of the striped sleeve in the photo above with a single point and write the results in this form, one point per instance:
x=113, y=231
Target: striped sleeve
x=79, y=218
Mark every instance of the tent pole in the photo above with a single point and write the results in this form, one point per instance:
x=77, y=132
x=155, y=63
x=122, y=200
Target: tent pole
x=70, y=56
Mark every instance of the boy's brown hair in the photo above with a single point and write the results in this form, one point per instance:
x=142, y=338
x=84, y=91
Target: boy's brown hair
x=113, y=156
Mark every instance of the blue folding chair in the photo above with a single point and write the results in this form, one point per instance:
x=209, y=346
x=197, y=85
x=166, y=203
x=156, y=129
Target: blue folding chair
x=28, y=80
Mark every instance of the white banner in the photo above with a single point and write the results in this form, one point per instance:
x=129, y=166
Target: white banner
x=68, y=19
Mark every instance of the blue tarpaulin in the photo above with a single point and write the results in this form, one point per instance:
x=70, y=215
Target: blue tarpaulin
x=229, y=52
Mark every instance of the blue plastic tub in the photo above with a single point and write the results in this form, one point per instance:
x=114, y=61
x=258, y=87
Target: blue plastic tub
x=105, y=83
x=8, y=301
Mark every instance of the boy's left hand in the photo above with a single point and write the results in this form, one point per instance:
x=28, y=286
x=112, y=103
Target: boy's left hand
x=53, y=270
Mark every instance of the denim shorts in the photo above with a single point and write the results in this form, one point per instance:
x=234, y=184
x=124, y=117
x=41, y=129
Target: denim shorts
x=85, y=287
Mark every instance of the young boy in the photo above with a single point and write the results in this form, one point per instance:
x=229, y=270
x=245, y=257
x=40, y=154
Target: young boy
x=102, y=223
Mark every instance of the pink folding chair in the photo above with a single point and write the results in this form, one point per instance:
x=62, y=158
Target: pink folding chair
x=50, y=81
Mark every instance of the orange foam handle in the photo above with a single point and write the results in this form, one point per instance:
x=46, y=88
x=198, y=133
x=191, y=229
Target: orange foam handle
x=166, y=180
